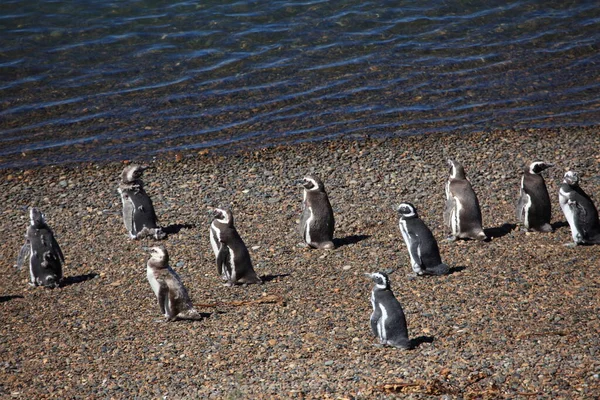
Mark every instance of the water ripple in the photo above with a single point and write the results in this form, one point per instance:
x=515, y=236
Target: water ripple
x=100, y=80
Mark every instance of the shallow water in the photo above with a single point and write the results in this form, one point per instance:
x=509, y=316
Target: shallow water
x=83, y=80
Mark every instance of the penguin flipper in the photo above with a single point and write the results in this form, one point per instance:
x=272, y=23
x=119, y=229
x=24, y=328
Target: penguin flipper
x=374, y=320
x=171, y=308
x=57, y=250
x=163, y=292
x=23, y=254
x=223, y=259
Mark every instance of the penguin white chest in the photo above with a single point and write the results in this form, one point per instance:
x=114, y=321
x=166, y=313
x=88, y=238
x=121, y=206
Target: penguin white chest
x=309, y=222
x=381, y=328
x=215, y=238
x=567, y=209
x=152, y=280
x=455, y=216
x=408, y=240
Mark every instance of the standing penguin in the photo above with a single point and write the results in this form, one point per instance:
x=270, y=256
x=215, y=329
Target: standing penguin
x=316, y=220
x=45, y=256
x=387, y=320
x=233, y=259
x=138, y=212
x=534, y=209
x=462, y=213
x=579, y=210
x=422, y=246
x=173, y=299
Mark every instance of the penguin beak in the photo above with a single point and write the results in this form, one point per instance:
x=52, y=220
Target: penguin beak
x=369, y=275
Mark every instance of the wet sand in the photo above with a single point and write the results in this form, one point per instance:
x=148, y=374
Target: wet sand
x=517, y=318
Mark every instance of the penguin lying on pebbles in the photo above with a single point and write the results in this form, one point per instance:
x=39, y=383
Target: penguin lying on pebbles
x=534, y=208
x=422, y=246
x=173, y=299
x=233, y=259
x=462, y=213
x=387, y=320
x=316, y=220
x=579, y=210
x=138, y=212
x=45, y=256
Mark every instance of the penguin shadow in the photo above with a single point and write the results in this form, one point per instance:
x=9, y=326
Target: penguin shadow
x=71, y=280
x=498, y=232
x=416, y=342
x=352, y=239
x=175, y=228
x=10, y=297
x=454, y=270
x=559, y=224
x=269, y=278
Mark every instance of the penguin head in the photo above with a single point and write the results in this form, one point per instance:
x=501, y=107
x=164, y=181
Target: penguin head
x=382, y=281
x=223, y=216
x=36, y=217
x=457, y=171
x=160, y=255
x=132, y=173
x=537, y=167
x=571, y=178
x=407, y=210
x=312, y=184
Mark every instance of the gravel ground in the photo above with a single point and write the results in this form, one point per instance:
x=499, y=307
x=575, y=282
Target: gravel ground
x=518, y=318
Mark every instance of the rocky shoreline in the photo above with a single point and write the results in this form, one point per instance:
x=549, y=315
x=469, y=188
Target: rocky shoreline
x=517, y=318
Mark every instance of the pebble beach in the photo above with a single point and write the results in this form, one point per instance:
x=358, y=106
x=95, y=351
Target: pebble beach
x=518, y=317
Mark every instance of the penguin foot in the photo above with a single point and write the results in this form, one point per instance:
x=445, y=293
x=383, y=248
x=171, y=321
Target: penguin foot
x=326, y=246
x=159, y=234
x=546, y=228
x=303, y=245
x=451, y=238
x=570, y=244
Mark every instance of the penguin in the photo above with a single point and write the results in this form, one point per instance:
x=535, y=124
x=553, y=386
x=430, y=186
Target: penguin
x=388, y=322
x=422, y=246
x=533, y=208
x=462, y=213
x=45, y=255
x=579, y=210
x=138, y=212
x=316, y=221
x=173, y=299
x=233, y=259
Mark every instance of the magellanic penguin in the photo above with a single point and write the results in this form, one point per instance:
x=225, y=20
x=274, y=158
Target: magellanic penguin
x=534, y=209
x=45, y=256
x=422, y=246
x=316, y=221
x=387, y=320
x=233, y=259
x=138, y=212
x=579, y=210
x=173, y=299
x=462, y=213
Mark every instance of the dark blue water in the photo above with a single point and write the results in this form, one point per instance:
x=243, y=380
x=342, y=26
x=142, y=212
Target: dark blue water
x=102, y=80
